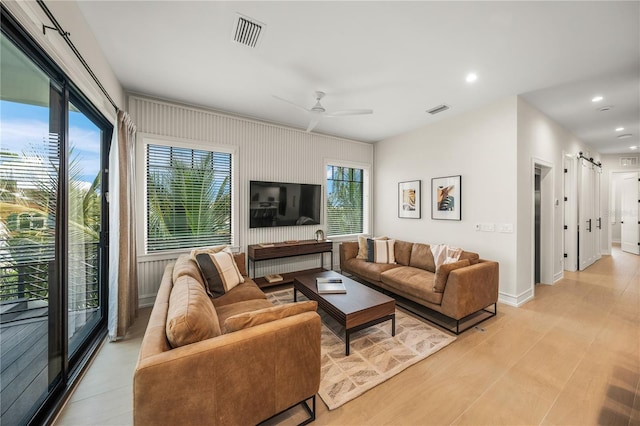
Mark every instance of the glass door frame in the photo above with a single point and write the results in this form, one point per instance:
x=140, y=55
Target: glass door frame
x=71, y=367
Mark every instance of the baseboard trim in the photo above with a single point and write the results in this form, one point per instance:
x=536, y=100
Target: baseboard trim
x=557, y=277
x=146, y=300
x=515, y=301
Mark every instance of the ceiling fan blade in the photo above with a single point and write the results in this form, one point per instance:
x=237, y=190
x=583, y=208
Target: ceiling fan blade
x=349, y=112
x=291, y=103
x=315, y=119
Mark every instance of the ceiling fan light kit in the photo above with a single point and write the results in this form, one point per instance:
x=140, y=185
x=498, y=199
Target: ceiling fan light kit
x=318, y=112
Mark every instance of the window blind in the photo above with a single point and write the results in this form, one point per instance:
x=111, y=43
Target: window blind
x=188, y=198
x=344, y=200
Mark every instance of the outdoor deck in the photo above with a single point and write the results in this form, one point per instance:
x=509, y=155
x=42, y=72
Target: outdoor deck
x=24, y=373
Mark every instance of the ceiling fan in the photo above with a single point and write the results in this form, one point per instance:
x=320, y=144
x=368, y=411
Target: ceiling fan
x=318, y=112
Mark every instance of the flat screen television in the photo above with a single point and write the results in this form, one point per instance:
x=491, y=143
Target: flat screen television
x=284, y=204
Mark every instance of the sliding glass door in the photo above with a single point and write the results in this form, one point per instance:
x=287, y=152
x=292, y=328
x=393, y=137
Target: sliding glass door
x=85, y=213
x=29, y=164
x=52, y=222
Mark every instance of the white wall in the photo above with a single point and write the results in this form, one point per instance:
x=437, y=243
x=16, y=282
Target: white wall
x=68, y=15
x=479, y=145
x=495, y=149
x=265, y=152
x=542, y=140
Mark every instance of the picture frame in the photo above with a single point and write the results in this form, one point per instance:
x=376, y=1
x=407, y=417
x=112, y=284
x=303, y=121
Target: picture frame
x=446, y=198
x=409, y=199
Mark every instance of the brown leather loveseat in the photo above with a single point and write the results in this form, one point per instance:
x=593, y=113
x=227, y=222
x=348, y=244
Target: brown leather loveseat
x=457, y=291
x=236, y=359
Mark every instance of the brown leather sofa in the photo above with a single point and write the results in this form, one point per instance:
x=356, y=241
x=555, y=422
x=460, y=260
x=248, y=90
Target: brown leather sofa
x=271, y=363
x=456, y=293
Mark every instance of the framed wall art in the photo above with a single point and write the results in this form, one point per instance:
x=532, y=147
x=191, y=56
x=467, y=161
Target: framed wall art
x=446, y=198
x=409, y=199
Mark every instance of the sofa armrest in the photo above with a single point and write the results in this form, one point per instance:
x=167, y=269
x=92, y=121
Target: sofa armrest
x=348, y=250
x=470, y=289
x=237, y=378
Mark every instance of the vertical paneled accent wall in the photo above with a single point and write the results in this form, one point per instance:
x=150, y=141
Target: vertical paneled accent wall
x=265, y=152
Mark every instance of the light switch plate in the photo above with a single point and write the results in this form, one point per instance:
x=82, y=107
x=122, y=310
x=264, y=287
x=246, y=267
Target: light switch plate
x=505, y=227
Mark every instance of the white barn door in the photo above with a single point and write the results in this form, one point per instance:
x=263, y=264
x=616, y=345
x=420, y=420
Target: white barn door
x=589, y=219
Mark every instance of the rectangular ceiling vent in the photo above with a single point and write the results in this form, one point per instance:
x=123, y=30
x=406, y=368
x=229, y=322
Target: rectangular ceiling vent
x=247, y=31
x=628, y=161
x=438, y=109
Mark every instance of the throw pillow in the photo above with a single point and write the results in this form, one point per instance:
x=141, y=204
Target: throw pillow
x=263, y=316
x=381, y=251
x=219, y=271
x=442, y=274
x=363, y=251
x=362, y=247
x=207, y=250
x=443, y=254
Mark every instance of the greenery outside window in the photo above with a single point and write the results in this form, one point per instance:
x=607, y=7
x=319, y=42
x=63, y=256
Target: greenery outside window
x=347, y=200
x=188, y=197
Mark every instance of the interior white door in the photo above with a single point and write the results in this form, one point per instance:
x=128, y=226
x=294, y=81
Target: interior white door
x=570, y=214
x=586, y=196
x=597, y=217
x=630, y=198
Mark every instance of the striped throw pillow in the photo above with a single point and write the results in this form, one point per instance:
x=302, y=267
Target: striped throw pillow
x=219, y=271
x=381, y=251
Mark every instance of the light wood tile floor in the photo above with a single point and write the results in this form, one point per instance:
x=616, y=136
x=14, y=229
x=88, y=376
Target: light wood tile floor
x=571, y=356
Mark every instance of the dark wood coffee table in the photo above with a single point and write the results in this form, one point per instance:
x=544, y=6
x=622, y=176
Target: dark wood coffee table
x=359, y=308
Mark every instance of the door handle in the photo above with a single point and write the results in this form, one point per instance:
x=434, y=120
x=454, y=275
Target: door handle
x=589, y=228
x=599, y=223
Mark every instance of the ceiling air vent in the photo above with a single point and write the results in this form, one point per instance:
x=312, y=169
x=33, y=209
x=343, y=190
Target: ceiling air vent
x=247, y=31
x=438, y=109
x=628, y=161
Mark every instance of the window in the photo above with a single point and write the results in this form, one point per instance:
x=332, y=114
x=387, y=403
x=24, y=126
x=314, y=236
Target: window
x=188, y=197
x=347, y=200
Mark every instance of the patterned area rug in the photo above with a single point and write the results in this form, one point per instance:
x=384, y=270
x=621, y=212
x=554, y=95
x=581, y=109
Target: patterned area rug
x=375, y=355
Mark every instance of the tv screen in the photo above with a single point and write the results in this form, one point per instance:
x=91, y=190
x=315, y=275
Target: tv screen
x=284, y=204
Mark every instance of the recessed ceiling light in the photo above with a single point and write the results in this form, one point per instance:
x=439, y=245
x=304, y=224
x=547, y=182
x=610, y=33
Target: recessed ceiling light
x=597, y=98
x=633, y=147
x=625, y=136
x=619, y=129
x=471, y=77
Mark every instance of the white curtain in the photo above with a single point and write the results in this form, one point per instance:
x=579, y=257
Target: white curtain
x=123, y=274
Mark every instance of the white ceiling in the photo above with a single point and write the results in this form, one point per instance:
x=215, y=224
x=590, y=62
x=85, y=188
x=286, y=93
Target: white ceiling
x=397, y=58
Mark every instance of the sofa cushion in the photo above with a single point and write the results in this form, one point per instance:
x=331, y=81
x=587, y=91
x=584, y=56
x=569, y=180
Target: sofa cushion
x=220, y=272
x=414, y=282
x=380, y=251
x=402, y=252
x=421, y=257
x=248, y=290
x=367, y=270
x=262, y=316
x=191, y=316
x=232, y=309
x=442, y=274
x=186, y=266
